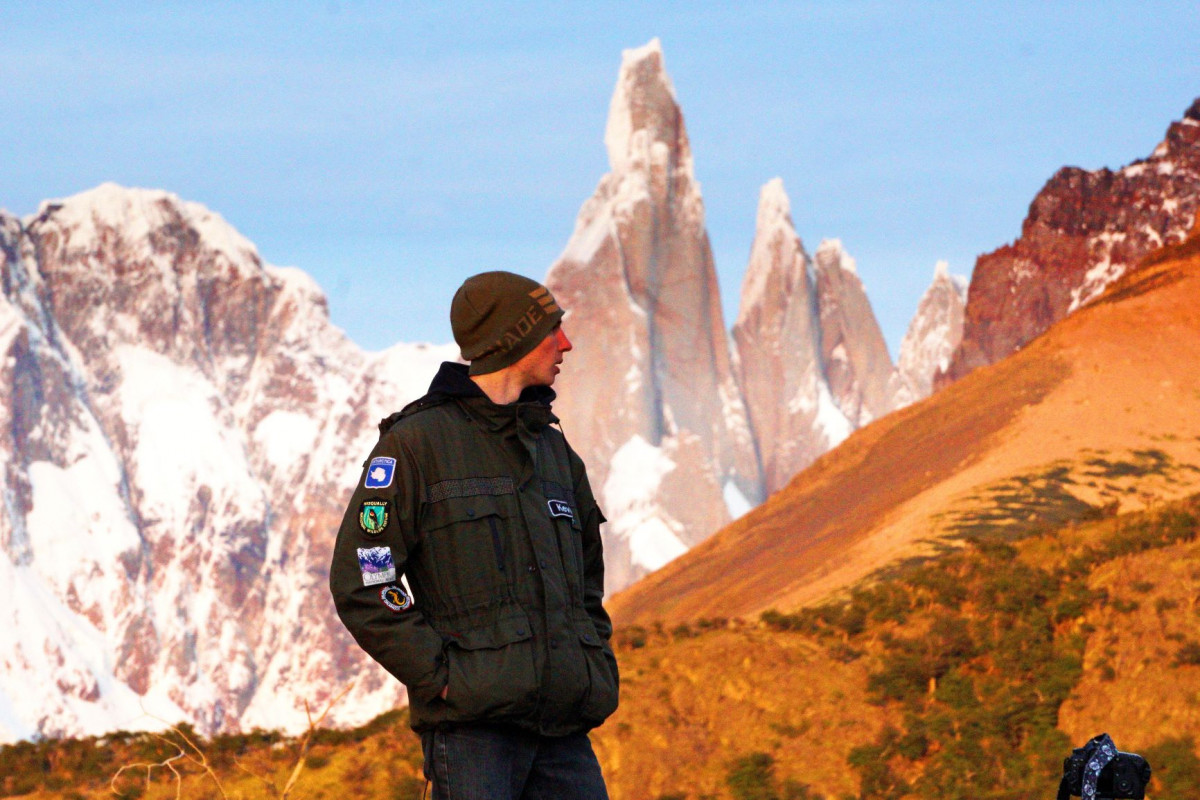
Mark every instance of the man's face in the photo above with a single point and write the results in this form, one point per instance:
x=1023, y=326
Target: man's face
x=540, y=365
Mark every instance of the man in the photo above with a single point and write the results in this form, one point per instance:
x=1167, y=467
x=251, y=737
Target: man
x=471, y=495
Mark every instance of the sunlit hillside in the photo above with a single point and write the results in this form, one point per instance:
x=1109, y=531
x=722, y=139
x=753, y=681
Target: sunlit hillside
x=1102, y=409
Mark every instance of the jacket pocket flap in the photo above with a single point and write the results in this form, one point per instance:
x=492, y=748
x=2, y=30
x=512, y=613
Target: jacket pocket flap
x=492, y=637
x=465, y=509
x=587, y=633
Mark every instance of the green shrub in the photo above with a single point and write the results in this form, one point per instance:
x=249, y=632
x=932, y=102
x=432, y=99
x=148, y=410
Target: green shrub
x=1188, y=655
x=1175, y=769
x=752, y=777
x=316, y=761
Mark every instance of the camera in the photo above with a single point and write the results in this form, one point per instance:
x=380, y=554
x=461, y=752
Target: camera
x=1099, y=771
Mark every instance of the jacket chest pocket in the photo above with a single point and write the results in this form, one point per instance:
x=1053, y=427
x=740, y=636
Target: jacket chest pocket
x=469, y=540
x=564, y=513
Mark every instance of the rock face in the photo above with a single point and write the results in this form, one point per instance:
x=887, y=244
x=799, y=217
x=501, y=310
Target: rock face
x=812, y=362
x=648, y=395
x=1084, y=230
x=934, y=333
x=860, y=372
x=181, y=429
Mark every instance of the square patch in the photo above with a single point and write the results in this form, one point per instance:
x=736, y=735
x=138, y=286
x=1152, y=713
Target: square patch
x=377, y=565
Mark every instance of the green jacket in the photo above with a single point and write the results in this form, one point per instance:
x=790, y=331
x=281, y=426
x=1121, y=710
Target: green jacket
x=487, y=513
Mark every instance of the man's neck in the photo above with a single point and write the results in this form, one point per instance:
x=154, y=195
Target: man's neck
x=502, y=387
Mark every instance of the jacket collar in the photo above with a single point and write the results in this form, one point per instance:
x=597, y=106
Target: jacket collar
x=532, y=408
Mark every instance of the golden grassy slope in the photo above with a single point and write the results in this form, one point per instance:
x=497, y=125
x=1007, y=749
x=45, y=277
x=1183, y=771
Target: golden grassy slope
x=1115, y=635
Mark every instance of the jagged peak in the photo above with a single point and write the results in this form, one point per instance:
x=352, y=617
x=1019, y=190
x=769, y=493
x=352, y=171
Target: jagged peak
x=633, y=55
x=642, y=85
x=137, y=212
x=773, y=204
x=831, y=253
x=1193, y=112
x=774, y=217
x=941, y=274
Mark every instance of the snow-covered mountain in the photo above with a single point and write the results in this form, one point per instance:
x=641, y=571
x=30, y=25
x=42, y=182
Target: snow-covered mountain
x=182, y=425
x=934, y=333
x=812, y=361
x=650, y=398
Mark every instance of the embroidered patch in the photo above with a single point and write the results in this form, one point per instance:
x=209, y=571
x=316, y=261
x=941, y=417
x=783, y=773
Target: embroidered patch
x=377, y=565
x=379, y=474
x=395, y=598
x=373, y=517
x=560, y=508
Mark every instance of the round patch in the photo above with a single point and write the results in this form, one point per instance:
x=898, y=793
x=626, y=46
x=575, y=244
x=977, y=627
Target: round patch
x=395, y=598
x=373, y=517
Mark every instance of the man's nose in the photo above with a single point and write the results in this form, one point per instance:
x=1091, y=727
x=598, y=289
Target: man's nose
x=564, y=344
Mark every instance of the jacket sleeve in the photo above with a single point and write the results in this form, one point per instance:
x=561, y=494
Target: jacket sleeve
x=593, y=557
x=369, y=558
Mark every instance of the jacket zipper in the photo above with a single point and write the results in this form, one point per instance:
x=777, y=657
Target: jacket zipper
x=497, y=543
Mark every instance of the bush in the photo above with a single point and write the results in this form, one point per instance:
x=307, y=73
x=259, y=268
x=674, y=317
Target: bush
x=1175, y=769
x=1188, y=655
x=752, y=777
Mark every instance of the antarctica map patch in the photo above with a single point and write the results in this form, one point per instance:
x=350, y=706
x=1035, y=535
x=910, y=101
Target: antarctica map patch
x=379, y=474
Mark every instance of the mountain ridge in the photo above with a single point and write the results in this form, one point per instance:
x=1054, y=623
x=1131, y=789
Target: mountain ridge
x=1083, y=231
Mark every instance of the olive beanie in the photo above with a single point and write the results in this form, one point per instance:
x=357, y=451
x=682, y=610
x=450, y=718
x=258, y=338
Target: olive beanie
x=499, y=317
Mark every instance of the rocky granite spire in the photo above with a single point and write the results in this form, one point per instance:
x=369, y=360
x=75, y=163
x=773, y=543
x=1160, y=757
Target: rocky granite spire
x=934, y=333
x=650, y=383
x=778, y=341
x=812, y=362
x=859, y=369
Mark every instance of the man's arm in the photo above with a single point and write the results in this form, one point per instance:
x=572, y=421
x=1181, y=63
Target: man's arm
x=593, y=557
x=374, y=544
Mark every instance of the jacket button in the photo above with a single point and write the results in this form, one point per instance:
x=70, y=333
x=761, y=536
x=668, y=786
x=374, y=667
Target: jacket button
x=532, y=568
x=470, y=512
x=554, y=644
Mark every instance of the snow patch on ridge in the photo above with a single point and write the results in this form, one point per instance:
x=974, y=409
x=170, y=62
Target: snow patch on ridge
x=183, y=440
x=830, y=419
x=631, y=494
x=735, y=501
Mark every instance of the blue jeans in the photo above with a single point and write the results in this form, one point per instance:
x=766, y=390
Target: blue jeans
x=484, y=762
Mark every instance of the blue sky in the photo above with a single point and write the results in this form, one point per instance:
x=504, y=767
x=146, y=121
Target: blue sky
x=392, y=149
